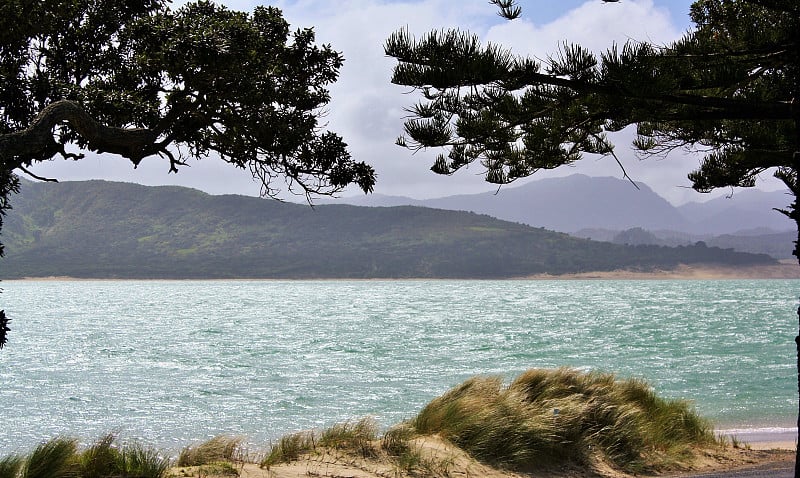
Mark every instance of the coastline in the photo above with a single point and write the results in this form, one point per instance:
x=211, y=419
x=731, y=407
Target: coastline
x=786, y=269
x=762, y=438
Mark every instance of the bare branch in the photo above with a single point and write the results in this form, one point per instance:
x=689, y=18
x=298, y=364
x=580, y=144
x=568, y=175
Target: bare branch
x=35, y=176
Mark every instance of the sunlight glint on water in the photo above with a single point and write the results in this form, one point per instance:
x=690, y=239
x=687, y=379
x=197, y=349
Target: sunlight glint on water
x=173, y=362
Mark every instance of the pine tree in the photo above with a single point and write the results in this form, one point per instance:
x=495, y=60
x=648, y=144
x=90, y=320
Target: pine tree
x=729, y=88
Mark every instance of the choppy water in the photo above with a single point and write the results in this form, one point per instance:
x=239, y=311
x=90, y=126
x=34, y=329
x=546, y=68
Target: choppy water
x=174, y=362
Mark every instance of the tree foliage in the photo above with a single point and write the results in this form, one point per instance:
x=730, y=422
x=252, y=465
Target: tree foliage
x=726, y=88
x=729, y=88
x=139, y=79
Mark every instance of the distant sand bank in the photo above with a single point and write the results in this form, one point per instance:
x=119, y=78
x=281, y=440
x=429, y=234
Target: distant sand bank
x=764, y=438
x=784, y=270
x=788, y=269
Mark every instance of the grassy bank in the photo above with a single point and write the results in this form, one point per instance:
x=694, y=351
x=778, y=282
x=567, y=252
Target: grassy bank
x=543, y=419
x=547, y=417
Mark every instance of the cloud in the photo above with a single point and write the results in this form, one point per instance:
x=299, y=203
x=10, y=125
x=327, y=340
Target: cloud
x=368, y=111
x=594, y=25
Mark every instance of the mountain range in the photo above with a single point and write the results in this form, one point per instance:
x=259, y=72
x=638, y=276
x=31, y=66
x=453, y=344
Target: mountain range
x=614, y=210
x=578, y=202
x=101, y=229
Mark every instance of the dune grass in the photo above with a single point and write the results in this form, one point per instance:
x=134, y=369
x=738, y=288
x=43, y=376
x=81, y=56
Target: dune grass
x=547, y=417
x=352, y=437
x=52, y=459
x=61, y=458
x=542, y=418
x=289, y=448
x=10, y=466
x=218, y=449
x=356, y=437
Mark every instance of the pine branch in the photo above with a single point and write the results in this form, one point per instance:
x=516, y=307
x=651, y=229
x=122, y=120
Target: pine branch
x=508, y=9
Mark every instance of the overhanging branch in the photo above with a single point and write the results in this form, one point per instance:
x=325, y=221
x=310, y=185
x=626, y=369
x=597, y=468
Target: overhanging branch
x=739, y=109
x=37, y=142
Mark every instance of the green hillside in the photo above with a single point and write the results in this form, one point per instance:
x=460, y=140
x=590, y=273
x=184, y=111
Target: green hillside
x=117, y=230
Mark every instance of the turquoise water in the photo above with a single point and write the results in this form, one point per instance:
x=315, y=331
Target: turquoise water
x=174, y=362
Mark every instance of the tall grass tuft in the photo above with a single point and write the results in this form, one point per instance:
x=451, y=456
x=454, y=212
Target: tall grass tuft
x=397, y=440
x=138, y=461
x=101, y=459
x=218, y=449
x=10, y=466
x=60, y=458
x=104, y=459
x=554, y=416
x=356, y=437
x=289, y=448
x=52, y=459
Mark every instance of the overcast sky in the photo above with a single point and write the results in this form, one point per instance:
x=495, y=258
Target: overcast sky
x=368, y=111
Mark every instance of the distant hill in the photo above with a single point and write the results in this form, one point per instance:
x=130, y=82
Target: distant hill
x=745, y=210
x=779, y=245
x=117, y=230
x=579, y=202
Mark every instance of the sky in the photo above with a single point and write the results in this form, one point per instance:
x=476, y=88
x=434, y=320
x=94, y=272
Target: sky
x=368, y=111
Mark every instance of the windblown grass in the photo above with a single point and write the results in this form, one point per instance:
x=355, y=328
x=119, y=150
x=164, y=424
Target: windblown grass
x=52, y=459
x=397, y=440
x=101, y=459
x=544, y=417
x=548, y=417
x=356, y=437
x=352, y=437
x=289, y=448
x=60, y=458
x=218, y=449
x=10, y=466
x=142, y=462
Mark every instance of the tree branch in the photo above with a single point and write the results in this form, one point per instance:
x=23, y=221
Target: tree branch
x=35, y=176
x=724, y=106
x=37, y=142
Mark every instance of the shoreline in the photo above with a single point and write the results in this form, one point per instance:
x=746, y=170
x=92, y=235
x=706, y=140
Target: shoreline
x=771, y=438
x=787, y=269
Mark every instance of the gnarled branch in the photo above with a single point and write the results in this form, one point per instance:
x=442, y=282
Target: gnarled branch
x=37, y=142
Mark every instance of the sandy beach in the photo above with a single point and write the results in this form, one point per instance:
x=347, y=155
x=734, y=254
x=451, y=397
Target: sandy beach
x=763, y=438
x=759, y=455
x=788, y=269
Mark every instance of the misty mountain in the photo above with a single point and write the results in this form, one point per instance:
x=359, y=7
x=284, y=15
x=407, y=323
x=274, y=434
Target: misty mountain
x=779, y=245
x=101, y=229
x=744, y=212
x=579, y=202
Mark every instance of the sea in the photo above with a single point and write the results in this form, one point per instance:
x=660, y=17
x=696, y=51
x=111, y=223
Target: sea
x=171, y=363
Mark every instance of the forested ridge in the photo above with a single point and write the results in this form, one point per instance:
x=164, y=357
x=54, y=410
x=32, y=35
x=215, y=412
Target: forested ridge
x=99, y=229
